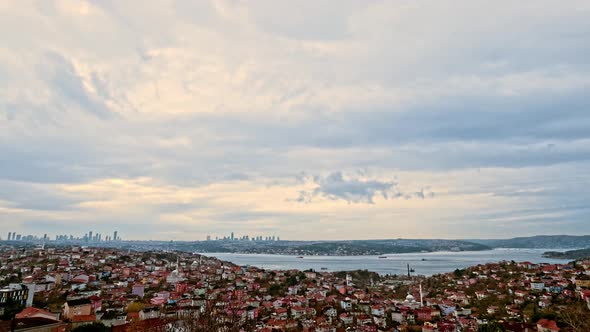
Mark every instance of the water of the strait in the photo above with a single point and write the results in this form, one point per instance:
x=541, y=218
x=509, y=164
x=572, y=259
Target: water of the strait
x=422, y=263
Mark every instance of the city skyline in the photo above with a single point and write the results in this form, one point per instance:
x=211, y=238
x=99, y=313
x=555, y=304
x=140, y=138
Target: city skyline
x=92, y=236
x=315, y=120
x=86, y=237
x=13, y=236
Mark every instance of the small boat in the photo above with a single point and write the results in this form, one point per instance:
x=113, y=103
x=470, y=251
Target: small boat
x=299, y=256
x=382, y=256
x=423, y=259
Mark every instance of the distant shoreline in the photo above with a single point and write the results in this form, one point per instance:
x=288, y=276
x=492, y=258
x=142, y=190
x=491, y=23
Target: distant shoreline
x=389, y=255
x=570, y=254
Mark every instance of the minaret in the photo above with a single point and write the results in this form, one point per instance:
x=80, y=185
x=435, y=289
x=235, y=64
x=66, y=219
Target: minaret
x=421, y=299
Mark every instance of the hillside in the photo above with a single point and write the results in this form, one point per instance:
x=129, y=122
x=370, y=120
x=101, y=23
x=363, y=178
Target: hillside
x=539, y=242
x=329, y=248
x=570, y=254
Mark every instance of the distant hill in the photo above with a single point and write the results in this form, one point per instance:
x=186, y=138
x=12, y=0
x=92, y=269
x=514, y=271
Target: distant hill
x=379, y=247
x=329, y=248
x=570, y=254
x=539, y=242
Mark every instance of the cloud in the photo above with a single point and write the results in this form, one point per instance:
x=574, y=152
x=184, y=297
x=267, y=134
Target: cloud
x=34, y=196
x=335, y=186
x=70, y=87
x=221, y=102
x=354, y=189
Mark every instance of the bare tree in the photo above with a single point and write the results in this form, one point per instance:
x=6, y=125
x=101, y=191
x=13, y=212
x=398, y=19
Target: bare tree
x=577, y=317
x=226, y=317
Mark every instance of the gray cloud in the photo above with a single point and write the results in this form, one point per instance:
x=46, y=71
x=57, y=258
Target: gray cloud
x=35, y=197
x=520, y=119
x=306, y=21
x=337, y=186
x=62, y=76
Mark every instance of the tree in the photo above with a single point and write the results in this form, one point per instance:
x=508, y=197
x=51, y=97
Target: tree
x=135, y=306
x=292, y=280
x=577, y=317
x=275, y=289
x=212, y=318
x=459, y=273
x=11, y=308
x=491, y=327
x=94, y=327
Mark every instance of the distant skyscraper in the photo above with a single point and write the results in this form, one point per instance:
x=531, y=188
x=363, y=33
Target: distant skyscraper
x=232, y=235
x=115, y=236
x=208, y=237
x=9, y=235
x=90, y=236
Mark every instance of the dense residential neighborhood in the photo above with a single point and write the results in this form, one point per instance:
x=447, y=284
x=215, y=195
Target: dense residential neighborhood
x=75, y=288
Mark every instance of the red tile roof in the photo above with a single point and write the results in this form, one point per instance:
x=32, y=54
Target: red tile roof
x=32, y=312
x=548, y=324
x=84, y=318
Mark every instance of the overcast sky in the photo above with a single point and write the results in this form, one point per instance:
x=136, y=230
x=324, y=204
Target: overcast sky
x=301, y=119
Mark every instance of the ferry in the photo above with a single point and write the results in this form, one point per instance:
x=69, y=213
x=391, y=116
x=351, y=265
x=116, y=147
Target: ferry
x=382, y=256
